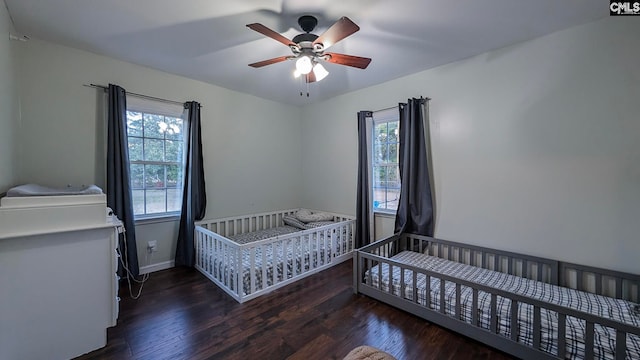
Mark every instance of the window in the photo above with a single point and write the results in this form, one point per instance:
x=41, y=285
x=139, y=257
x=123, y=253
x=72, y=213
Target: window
x=384, y=161
x=156, y=161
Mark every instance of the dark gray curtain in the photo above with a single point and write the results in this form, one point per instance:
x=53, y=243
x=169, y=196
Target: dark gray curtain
x=415, y=207
x=118, y=183
x=194, y=197
x=363, y=203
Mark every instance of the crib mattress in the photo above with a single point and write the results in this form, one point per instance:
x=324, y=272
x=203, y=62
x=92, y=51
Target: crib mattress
x=604, y=339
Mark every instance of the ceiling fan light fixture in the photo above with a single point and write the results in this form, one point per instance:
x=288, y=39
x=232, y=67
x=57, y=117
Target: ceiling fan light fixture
x=296, y=73
x=320, y=72
x=304, y=65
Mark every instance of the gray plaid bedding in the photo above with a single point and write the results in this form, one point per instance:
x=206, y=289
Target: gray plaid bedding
x=604, y=338
x=263, y=234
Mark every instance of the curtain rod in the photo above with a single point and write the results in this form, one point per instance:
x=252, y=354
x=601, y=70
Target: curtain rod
x=138, y=95
x=395, y=107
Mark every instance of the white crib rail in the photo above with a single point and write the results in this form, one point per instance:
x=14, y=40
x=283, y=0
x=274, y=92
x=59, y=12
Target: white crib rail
x=230, y=226
x=218, y=258
x=246, y=271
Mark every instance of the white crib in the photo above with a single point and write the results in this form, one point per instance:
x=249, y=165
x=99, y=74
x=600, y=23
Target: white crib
x=248, y=270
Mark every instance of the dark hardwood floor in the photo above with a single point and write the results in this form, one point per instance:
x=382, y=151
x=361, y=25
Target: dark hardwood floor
x=183, y=315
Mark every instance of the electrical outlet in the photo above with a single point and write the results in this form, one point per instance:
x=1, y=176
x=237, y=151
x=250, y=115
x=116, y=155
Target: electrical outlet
x=152, y=246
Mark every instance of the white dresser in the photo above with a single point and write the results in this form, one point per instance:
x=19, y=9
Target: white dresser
x=58, y=284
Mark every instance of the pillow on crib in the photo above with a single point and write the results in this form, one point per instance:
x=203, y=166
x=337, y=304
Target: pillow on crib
x=306, y=216
x=292, y=221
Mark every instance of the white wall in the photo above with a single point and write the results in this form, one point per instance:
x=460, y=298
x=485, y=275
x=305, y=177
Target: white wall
x=8, y=105
x=536, y=146
x=251, y=146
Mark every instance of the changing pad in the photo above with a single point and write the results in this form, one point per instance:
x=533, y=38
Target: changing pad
x=34, y=209
x=39, y=190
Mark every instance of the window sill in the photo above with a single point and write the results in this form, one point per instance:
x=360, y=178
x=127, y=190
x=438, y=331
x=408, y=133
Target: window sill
x=387, y=214
x=157, y=219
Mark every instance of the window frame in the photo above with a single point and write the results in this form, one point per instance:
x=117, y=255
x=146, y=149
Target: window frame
x=382, y=117
x=148, y=107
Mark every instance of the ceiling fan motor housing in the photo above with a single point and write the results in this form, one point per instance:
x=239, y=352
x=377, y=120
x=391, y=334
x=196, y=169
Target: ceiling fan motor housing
x=304, y=37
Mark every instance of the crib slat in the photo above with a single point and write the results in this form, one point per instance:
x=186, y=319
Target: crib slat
x=514, y=320
x=264, y=265
x=252, y=269
x=579, y=280
x=415, y=289
x=291, y=250
x=621, y=345
x=296, y=258
x=402, y=284
x=496, y=264
x=307, y=262
x=211, y=255
x=588, y=341
x=275, y=262
x=213, y=258
x=474, y=308
x=222, y=258
x=619, y=288
x=525, y=268
x=458, y=306
x=380, y=275
x=442, y=302
x=598, y=284
x=391, y=277
x=225, y=249
x=537, y=326
x=370, y=277
x=237, y=277
x=539, y=275
x=562, y=336
x=494, y=315
x=320, y=250
x=327, y=250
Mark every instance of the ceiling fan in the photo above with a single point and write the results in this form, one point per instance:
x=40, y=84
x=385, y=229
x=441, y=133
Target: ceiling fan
x=309, y=49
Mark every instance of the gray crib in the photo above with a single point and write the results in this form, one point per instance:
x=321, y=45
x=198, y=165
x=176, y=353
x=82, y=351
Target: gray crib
x=527, y=306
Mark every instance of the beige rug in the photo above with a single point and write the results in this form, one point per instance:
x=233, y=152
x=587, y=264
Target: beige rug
x=368, y=353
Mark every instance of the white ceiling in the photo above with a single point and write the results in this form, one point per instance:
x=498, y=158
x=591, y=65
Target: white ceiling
x=208, y=41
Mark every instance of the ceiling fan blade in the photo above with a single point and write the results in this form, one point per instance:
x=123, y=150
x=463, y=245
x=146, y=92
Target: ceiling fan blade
x=269, y=62
x=338, y=31
x=270, y=33
x=348, y=60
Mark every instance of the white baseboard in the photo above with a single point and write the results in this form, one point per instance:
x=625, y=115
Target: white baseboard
x=157, y=267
